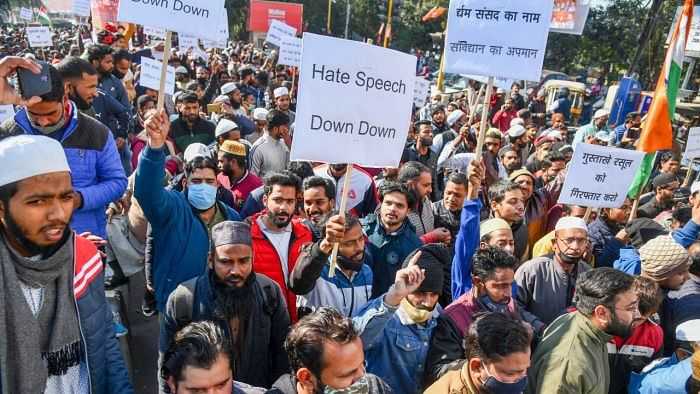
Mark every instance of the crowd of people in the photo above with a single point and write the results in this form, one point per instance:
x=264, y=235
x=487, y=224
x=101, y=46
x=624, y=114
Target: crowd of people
x=453, y=275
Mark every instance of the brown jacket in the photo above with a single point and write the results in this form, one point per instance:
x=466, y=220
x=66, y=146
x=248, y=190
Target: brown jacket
x=453, y=382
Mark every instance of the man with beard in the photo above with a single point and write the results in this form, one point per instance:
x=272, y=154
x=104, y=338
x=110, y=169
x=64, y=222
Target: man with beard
x=546, y=284
x=234, y=175
x=260, y=119
x=181, y=221
x=282, y=101
x=351, y=287
x=248, y=307
x=362, y=196
x=57, y=329
x=98, y=177
x=208, y=84
x=447, y=211
x=80, y=80
x=189, y=127
x=277, y=236
x=422, y=153
x=122, y=70
x=439, y=119
x=509, y=160
x=319, y=199
x=418, y=179
x=572, y=356
x=233, y=92
x=100, y=56
x=270, y=153
x=182, y=77
x=492, y=275
x=665, y=185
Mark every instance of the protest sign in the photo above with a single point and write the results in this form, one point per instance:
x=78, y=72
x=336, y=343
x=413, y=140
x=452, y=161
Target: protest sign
x=39, y=36
x=26, y=13
x=150, y=75
x=185, y=16
x=569, y=16
x=186, y=40
x=692, y=46
x=599, y=176
x=290, y=51
x=354, y=102
x=421, y=89
x=154, y=32
x=499, y=82
x=6, y=112
x=476, y=42
x=692, y=149
x=81, y=7
x=277, y=30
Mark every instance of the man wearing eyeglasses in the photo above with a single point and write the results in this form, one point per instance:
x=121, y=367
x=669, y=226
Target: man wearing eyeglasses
x=665, y=184
x=546, y=284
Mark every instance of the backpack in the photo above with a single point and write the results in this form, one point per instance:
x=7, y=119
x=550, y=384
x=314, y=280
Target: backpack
x=184, y=309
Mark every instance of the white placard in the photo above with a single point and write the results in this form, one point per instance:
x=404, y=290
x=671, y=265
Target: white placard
x=39, y=36
x=499, y=82
x=290, y=51
x=692, y=46
x=186, y=16
x=6, y=112
x=599, y=177
x=692, y=148
x=354, y=102
x=421, y=89
x=150, y=75
x=81, y=7
x=186, y=40
x=26, y=13
x=223, y=30
x=477, y=43
x=277, y=30
x=154, y=32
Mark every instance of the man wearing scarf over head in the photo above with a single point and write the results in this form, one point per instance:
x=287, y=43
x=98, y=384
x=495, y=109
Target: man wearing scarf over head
x=56, y=331
x=248, y=307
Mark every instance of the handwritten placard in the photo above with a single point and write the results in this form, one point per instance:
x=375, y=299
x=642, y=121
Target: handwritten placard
x=150, y=75
x=692, y=148
x=420, y=91
x=290, y=51
x=26, y=13
x=278, y=30
x=39, y=36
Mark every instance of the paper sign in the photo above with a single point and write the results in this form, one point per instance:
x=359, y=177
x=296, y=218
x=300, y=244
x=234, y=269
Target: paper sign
x=277, y=30
x=692, y=46
x=599, y=177
x=186, y=16
x=421, y=89
x=290, y=51
x=39, y=36
x=477, y=43
x=692, y=148
x=354, y=102
x=153, y=31
x=499, y=82
x=26, y=13
x=81, y=7
x=187, y=40
x=223, y=30
x=6, y=112
x=150, y=75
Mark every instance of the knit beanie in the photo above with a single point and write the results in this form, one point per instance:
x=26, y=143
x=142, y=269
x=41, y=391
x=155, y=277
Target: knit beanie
x=642, y=230
x=663, y=257
x=434, y=259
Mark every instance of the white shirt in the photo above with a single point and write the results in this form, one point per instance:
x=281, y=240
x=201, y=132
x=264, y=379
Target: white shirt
x=280, y=241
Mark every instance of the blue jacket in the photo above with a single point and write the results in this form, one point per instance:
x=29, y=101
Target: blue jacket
x=112, y=114
x=679, y=306
x=114, y=87
x=181, y=239
x=395, y=347
x=606, y=248
x=667, y=376
x=388, y=251
x=93, y=158
x=466, y=244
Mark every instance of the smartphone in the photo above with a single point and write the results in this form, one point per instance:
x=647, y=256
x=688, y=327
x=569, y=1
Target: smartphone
x=213, y=108
x=31, y=84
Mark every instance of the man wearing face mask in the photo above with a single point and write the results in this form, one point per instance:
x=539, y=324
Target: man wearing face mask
x=546, y=284
x=497, y=357
x=325, y=356
x=98, y=177
x=572, y=356
x=396, y=327
x=351, y=287
x=492, y=273
x=181, y=221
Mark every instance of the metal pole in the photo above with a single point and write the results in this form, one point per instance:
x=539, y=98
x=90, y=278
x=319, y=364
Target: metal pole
x=388, y=23
x=328, y=22
x=347, y=20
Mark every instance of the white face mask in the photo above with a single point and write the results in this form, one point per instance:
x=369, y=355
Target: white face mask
x=46, y=130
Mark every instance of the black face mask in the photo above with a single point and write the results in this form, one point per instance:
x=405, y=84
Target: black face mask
x=118, y=74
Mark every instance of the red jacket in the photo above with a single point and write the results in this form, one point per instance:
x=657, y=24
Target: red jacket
x=267, y=262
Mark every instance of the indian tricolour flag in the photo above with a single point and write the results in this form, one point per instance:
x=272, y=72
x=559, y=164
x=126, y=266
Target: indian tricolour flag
x=657, y=129
x=44, y=17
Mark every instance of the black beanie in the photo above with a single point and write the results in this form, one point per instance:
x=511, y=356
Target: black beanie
x=642, y=230
x=433, y=260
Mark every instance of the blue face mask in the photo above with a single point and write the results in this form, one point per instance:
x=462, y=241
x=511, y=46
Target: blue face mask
x=201, y=196
x=495, y=386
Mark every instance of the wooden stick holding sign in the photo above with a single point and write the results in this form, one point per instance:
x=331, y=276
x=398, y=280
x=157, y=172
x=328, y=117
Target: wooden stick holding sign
x=164, y=70
x=343, y=206
x=472, y=108
x=484, y=120
x=587, y=215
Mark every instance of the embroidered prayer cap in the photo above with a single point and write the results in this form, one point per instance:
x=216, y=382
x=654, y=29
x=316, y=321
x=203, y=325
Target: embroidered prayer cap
x=234, y=148
x=491, y=225
x=663, y=257
x=30, y=155
x=231, y=233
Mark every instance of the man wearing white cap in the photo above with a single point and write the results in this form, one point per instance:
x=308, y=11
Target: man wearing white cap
x=233, y=92
x=454, y=122
x=260, y=119
x=282, y=101
x=228, y=130
x=599, y=123
x=56, y=330
x=182, y=77
x=546, y=284
x=517, y=137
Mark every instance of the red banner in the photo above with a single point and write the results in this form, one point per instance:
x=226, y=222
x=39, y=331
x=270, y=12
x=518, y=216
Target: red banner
x=262, y=13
